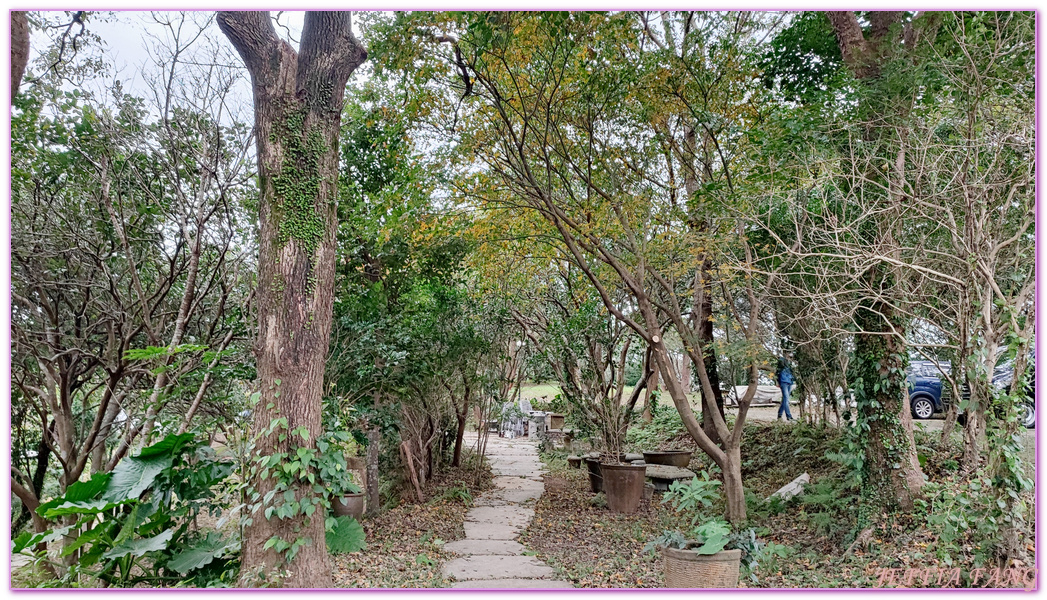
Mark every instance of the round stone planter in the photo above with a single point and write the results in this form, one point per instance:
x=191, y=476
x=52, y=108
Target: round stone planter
x=595, y=477
x=349, y=505
x=623, y=485
x=672, y=458
x=688, y=569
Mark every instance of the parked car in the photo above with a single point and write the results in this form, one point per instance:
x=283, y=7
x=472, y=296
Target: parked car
x=925, y=388
x=1004, y=375
x=927, y=395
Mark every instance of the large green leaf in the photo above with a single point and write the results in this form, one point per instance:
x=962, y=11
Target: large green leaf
x=82, y=508
x=133, y=476
x=141, y=546
x=205, y=551
x=170, y=445
x=79, y=491
x=347, y=535
x=92, y=535
x=29, y=538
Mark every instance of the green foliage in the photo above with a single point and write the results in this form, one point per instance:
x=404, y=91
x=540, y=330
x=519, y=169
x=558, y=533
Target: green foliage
x=802, y=58
x=665, y=425
x=297, y=185
x=694, y=497
x=345, y=535
x=457, y=493
x=830, y=506
x=133, y=524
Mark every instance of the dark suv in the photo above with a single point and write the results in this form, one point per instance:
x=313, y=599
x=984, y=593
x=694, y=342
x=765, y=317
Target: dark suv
x=925, y=388
x=927, y=395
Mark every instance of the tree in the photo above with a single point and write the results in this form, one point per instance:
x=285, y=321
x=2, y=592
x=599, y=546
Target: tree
x=19, y=48
x=560, y=130
x=125, y=232
x=298, y=107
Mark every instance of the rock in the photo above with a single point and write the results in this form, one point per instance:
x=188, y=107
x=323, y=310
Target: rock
x=488, y=547
x=630, y=457
x=662, y=476
x=539, y=584
x=793, y=489
x=501, y=567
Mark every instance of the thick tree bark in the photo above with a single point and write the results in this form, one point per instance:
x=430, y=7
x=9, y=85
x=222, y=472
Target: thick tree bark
x=893, y=471
x=19, y=49
x=374, y=499
x=705, y=335
x=298, y=102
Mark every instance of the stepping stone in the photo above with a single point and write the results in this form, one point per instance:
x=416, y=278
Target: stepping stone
x=491, y=501
x=518, y=483
x=521, y=496
x=495, y=515
x=497, y=567
x=539, y=584
x=488, y=547
x=487, y=531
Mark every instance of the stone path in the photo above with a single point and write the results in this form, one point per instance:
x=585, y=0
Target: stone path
x=490, y=556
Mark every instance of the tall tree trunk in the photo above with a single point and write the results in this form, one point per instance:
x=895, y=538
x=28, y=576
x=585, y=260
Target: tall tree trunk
x=374, y=498
x=705, y=335
x=894, y=477
x=19, y=49
x=298, y=103
x=893, y=473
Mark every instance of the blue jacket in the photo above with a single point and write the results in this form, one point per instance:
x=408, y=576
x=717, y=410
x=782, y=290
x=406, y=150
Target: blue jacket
x=785, y=375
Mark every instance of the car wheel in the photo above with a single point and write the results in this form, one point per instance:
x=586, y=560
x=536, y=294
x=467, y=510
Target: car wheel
x=1029, y=417
x=922, y=408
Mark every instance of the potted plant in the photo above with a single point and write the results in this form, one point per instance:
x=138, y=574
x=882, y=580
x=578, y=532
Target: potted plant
x=710, y=554
x=346, y=496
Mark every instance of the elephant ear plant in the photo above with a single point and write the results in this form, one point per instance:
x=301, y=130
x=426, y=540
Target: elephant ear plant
x=707, y=535
x=134, y=525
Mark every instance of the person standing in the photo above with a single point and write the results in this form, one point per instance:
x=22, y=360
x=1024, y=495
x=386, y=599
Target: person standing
x=785, y=383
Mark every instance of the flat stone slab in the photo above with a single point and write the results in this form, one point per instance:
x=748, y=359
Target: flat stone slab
x=521, y=496
x=530, y=584
x=793, y=488
x=662, y=476
x=497, y=567
x=667, y=472
x=518, y=483
x=507, y=515
x=490, y=501
x=487, y=547
x=488, y=531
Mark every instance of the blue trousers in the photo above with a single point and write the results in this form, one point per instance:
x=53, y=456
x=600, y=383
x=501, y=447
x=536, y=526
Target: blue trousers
x=785, y=401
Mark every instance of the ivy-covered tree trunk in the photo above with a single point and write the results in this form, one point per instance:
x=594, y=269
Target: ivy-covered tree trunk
x=891, y=469
x=298, y=104
x=893, y=476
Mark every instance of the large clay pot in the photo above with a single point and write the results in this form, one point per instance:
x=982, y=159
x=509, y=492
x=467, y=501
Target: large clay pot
x=688, y=569
x=595, y=477
x=623, y=485
x=349, y=505
x=672, y=458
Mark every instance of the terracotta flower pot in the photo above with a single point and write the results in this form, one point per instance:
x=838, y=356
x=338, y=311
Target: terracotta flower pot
x=595, y=477
x=672, y=458
x=688, y=569
x=349, y=505
x=623, y=485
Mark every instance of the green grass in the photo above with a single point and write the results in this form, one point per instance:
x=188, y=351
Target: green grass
x=537, y=391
